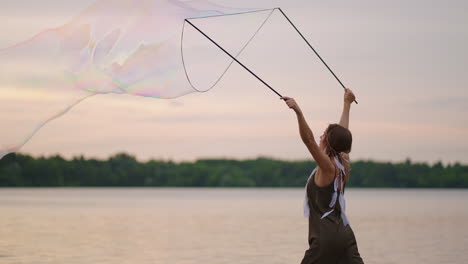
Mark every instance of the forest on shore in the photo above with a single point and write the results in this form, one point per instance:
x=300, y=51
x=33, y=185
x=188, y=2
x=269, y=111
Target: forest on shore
x=125, y=170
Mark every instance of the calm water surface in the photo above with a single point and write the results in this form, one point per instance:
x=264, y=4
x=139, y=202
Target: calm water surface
x=188, y=226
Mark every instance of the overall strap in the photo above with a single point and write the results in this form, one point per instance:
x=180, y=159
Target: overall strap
x=306, y=199
x=338, y=195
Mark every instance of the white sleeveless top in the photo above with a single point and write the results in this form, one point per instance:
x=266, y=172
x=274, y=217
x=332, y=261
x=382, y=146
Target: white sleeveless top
x=341, y=199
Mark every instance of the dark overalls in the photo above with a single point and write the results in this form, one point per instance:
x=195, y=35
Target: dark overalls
x=331, y=239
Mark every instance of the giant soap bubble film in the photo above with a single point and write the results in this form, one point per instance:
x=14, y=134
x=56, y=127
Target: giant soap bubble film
x=121, y=47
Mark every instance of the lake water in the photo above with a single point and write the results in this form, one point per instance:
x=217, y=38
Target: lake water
x=188, y=226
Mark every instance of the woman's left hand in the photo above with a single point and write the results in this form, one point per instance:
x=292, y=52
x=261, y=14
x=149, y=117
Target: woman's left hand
x=291, y=103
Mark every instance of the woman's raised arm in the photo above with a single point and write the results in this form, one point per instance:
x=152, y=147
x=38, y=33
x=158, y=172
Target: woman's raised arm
x=348, y=99
x=308, y=138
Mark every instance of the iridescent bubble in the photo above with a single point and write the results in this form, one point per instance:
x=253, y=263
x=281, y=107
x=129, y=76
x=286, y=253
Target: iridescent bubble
x=114, y=46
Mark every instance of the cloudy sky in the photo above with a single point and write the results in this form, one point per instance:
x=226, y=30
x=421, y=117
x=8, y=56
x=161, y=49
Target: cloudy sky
x=406, y=61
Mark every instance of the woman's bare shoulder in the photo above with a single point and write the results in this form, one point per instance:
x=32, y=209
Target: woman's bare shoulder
x=323, y=178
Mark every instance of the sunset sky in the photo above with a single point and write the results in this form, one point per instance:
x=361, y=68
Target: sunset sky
x=406, y=61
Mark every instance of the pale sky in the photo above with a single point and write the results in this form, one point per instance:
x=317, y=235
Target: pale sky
x=406, y=61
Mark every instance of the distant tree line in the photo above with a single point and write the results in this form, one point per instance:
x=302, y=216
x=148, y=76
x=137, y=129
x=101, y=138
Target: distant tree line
x=125, y=170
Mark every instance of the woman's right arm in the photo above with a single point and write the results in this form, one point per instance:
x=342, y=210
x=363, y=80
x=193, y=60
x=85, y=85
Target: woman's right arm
x=349, y=97
x=348, y=100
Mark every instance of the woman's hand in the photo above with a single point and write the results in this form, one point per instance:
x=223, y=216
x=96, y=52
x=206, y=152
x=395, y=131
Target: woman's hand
x=291, y=104
x=349, y=96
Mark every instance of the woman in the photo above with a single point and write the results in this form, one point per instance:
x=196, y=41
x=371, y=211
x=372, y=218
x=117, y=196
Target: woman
x=331, y=239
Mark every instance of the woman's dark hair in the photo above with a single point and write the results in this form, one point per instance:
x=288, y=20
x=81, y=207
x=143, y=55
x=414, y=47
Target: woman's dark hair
x=339, y=139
